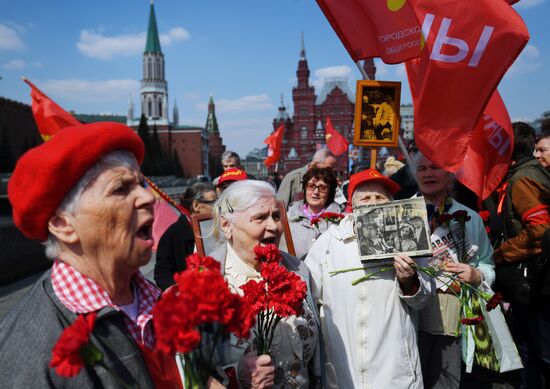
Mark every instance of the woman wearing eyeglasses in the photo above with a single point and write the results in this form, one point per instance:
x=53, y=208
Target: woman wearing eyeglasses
x=178, y=241
x=319, y=186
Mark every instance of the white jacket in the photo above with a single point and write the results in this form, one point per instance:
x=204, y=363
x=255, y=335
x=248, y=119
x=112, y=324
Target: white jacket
x=368, y=329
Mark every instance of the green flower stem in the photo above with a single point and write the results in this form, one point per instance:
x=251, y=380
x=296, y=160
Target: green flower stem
x=277, y=320
x=335, y=272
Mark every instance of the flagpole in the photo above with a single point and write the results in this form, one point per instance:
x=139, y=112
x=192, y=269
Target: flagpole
x=362, y=71
x=372, y=149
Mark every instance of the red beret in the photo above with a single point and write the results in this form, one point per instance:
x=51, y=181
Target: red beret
x=232, y=174
x=45, y=174
x=371, y=175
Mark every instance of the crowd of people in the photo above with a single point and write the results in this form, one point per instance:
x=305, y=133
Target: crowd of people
x=398, y=329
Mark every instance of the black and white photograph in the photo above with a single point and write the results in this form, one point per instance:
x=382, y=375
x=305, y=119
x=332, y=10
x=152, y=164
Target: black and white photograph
x=395, y=227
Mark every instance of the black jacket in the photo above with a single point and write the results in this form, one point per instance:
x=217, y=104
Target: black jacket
x=174, y=246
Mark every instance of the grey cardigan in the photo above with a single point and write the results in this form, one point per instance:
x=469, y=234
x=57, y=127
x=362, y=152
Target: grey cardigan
x=32, y=327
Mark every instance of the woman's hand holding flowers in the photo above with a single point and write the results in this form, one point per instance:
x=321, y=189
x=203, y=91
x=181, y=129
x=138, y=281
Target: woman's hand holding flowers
x=465, y=273
x=256, y=372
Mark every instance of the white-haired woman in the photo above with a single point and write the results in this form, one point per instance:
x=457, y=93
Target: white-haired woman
x=439, y=339
x=247, y=215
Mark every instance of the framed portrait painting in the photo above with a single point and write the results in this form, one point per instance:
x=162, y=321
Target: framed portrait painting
x=377, y=113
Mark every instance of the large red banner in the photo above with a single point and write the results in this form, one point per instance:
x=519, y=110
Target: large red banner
x=469, y=45
x=490, y=151
x=388, y=29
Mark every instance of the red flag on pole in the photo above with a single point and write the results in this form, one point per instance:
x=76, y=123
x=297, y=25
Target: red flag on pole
x=386, y=29
x=273, y=142
x=49, y=116
x=469, y=46
x=490, y=150
x=335, y=141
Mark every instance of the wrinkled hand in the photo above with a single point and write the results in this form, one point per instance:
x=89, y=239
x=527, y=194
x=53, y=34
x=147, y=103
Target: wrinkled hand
x=214, y=384
x=405, y=273
x=256, y=372
x=466, y=273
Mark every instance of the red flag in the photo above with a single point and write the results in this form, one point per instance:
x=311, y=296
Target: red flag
x=388, y=29
x=469, y=46
x=273, y=142
x=490, y=150
x=49, y=116
x=335, y=141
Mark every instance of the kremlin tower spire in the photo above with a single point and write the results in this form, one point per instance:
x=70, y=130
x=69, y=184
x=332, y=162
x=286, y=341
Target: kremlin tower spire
x=154, y=88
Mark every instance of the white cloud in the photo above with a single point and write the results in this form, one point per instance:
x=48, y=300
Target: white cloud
x=15, y=64
x=94, y=44
x=177, y=34
x=246, y=103
x=527, y=62
x=9, y=39
x=91, y=91
x=528, y=3
x=331, y=72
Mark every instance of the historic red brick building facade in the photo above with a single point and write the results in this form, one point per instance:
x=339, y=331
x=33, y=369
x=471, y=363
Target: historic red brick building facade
x=305, y=130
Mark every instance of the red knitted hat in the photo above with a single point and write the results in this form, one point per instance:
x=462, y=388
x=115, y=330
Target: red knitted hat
x=45, y=174
x=371, y=175
x=233, y=174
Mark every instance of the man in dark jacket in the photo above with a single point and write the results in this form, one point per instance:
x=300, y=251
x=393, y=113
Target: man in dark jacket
x=174, y=246
x=525, y=210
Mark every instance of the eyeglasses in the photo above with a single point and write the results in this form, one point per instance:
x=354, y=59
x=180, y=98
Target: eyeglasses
x=207, y=202
x=322, y=188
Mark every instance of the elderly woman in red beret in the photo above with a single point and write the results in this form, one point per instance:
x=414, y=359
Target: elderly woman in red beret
x=369, y=328
x=81, y=193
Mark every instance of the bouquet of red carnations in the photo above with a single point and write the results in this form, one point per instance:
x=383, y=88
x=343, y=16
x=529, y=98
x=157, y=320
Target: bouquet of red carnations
x=329, y=217
x=279, y=294
x=199, y=305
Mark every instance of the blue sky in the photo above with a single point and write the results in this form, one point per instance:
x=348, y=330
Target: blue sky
x=86, y=55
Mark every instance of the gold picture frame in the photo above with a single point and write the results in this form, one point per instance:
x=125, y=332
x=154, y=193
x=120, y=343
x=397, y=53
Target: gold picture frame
x=377, y=113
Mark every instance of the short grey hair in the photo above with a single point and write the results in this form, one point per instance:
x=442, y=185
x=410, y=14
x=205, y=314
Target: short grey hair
x=238, y=197
x=231, y=154
x=71, y=202
x=415, y=161
x=321, y=155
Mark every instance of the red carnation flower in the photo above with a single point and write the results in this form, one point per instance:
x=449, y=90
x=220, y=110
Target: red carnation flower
x=484, y=215
x=444, y=218
x=69, y=355
x=195, y=261
x=243, y=319
x=472, y=321
x=461, y=216
x=315, y=221
x=493, y=302
x=285, y=290
x=255, y=295
x=267, y=253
